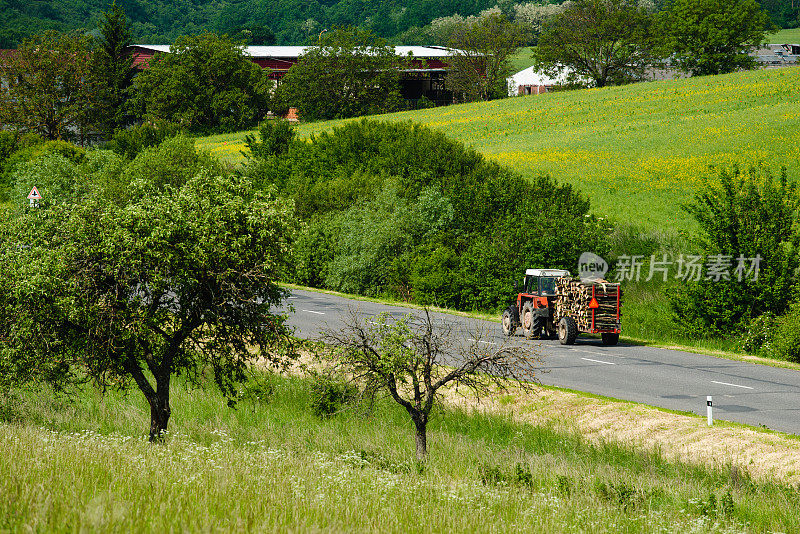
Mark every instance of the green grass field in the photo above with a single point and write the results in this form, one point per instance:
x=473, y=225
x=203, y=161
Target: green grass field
x=522, y=59
x=271, y=466
x=638, y=151
x=785, y=36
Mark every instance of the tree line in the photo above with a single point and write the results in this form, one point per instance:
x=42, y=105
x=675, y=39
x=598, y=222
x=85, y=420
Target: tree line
x=280, y=22
x=69, y=85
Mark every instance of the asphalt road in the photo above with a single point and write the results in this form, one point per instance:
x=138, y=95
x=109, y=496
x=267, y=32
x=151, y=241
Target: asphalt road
x=743, y=392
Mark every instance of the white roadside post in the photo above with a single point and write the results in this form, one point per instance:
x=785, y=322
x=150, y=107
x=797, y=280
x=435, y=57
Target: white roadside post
x=34, y=197
x=708, y=411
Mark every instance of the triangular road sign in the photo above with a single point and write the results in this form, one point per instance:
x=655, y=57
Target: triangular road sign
x=34, y=194
x=594, y=304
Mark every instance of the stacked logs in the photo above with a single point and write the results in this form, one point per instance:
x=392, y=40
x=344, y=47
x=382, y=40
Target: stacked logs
x=574, y=297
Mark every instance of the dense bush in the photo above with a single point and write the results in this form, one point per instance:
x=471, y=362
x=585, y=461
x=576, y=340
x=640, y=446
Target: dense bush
x=399, y=209
x=329, y=394
x=129, y=142
x=10, y=144
x=21, y=170
x=276, y=136
x=784, y=342
x=745, y=214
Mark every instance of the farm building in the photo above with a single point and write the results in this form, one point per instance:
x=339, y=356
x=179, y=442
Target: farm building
x=425, y=76
x=533, y=82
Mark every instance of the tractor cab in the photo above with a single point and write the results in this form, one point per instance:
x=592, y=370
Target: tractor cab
x=541, y=282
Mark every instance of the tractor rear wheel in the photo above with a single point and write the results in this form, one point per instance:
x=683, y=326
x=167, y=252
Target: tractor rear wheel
x=527, y=320
x=567, y=330
x=610, y=338
x=509, y=321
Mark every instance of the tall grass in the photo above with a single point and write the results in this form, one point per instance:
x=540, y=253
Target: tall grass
x=270, y=465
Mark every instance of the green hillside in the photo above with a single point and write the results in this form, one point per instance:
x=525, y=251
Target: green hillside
x=785, y=36
x=638, y=151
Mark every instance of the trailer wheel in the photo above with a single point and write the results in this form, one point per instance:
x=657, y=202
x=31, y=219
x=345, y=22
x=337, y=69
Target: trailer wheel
x=567, y=330
x=610, y=338
x=509, y=321
x=527, y=320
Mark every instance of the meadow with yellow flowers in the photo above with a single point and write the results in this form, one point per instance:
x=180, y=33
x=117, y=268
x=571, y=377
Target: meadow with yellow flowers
x=638, y=151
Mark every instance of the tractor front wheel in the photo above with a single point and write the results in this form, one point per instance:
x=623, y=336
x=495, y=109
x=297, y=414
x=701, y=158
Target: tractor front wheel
x=509, y=321
x=527, y=320
x=567, y=330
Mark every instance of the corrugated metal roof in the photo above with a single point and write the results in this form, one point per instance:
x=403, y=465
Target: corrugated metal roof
x=297, y=51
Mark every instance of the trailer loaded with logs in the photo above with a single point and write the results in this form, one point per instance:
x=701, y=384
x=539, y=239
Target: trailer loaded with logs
x=553, y=304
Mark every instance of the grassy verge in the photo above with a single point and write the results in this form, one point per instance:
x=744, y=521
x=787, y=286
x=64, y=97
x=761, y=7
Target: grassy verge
x=271, y=466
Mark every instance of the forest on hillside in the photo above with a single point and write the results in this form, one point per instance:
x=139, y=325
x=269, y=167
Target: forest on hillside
x=277, y=22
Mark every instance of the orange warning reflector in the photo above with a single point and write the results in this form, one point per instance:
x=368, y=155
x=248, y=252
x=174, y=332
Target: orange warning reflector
x=594, y=304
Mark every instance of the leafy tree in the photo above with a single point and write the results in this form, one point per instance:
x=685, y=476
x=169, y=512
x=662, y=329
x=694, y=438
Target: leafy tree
x=47, y=87
x=172, y=277
x=747, y=215
x=534, y=15
x=480, y=57
x=604, y=41
x=713, y=36
x=113, y=70
x=205, y=83
x=412, y=359
x=350, y=72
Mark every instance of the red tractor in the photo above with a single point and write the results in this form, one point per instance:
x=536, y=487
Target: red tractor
x=544, y=311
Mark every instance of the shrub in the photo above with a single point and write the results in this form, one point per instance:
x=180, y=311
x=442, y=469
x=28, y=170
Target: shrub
x=173, y=162
x=52, y=174
x=10, y=143
x=259, y=388
x=758, y=334
x=785, y=338
x=329, y=394
x=276, y=137
x=129, y=142
x=748, y=215
x=315, y=250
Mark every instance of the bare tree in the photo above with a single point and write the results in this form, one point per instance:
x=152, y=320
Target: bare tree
x=412, y=358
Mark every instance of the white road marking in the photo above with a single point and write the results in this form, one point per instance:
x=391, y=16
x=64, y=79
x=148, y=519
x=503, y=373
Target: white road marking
x=292, y=297
x=599, y=353
x=481, y=341
x=315, y=312
x=598, y=361
x=732, y=385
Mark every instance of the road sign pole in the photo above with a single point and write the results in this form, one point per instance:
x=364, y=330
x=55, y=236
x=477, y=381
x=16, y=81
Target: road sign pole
x=709, y=415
